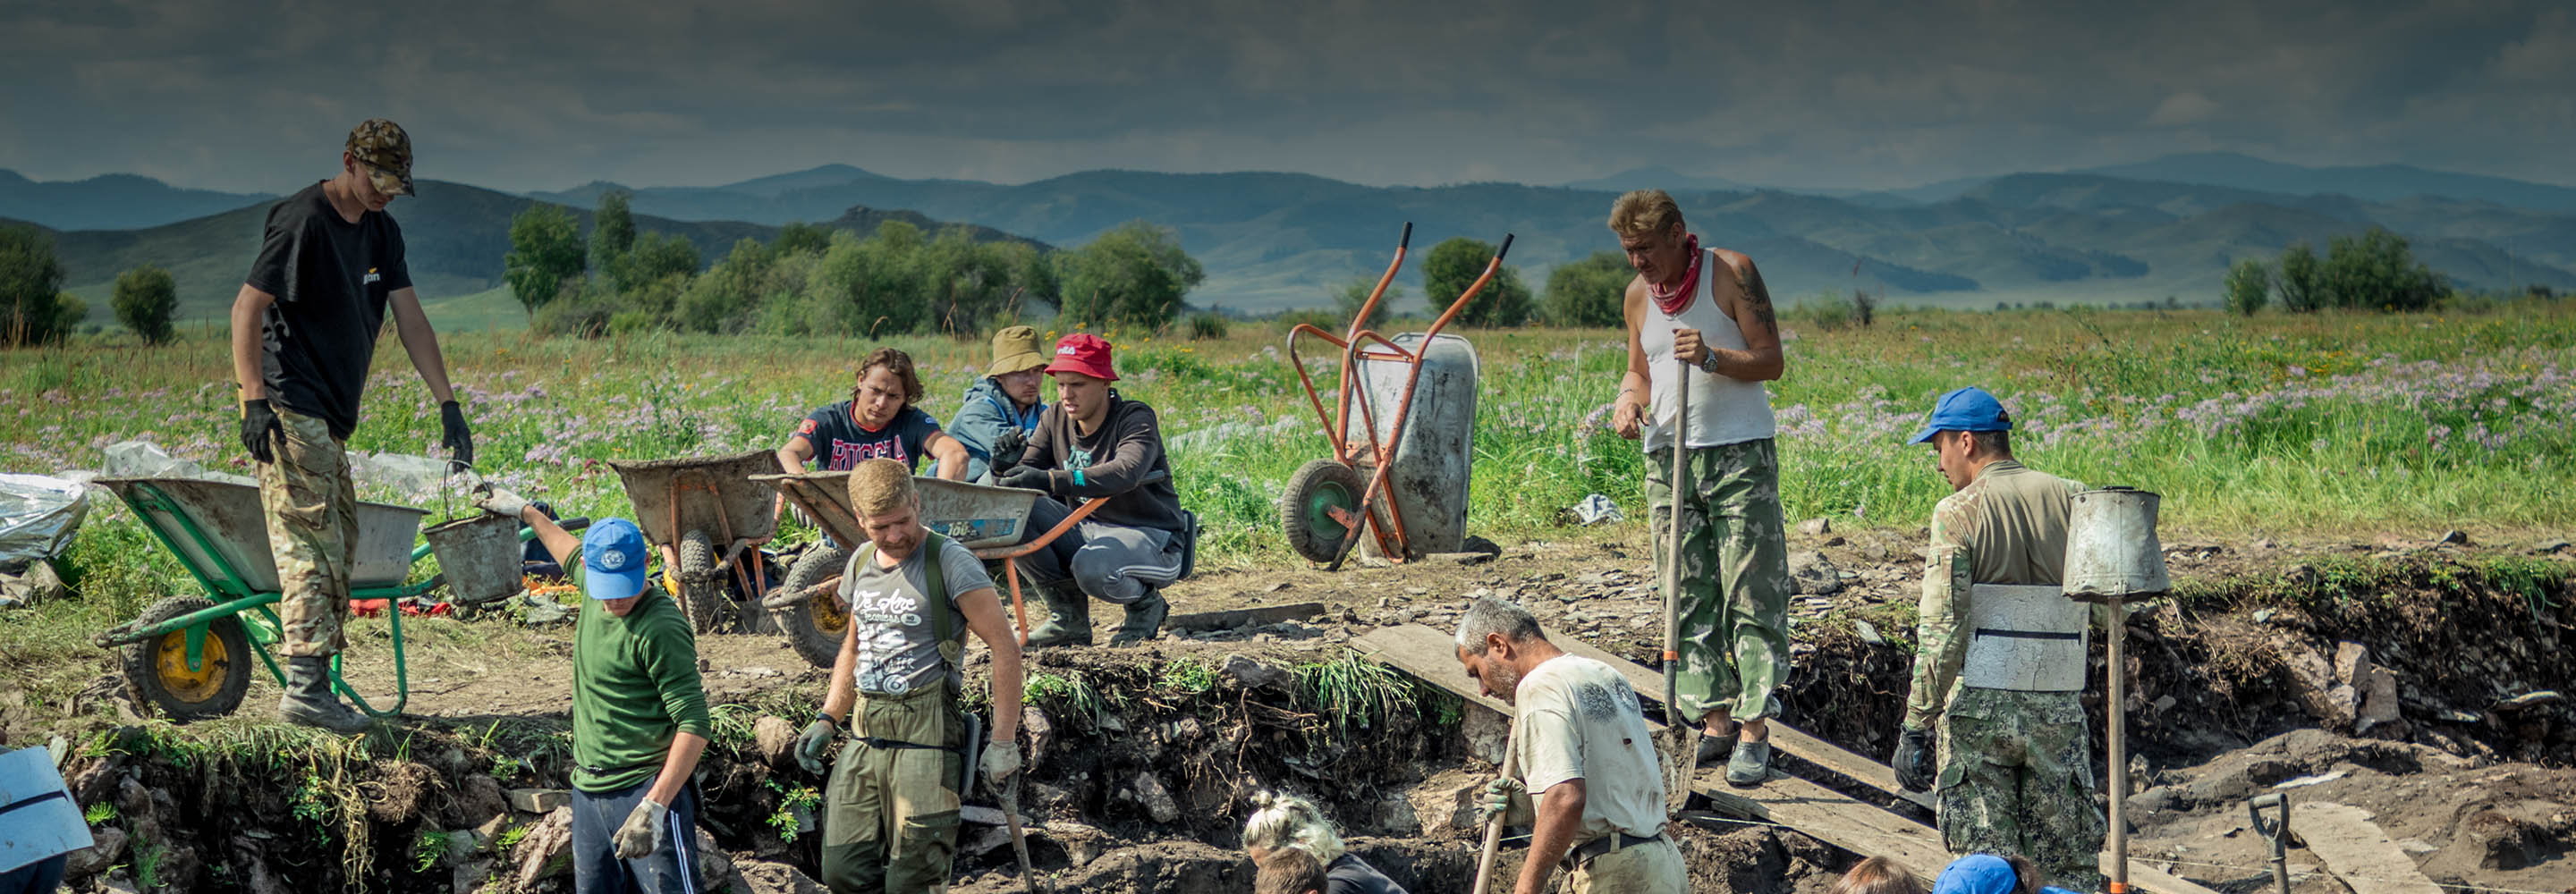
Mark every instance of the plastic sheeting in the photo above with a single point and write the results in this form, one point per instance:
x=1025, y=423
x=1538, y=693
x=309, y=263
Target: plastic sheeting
x=37, y=517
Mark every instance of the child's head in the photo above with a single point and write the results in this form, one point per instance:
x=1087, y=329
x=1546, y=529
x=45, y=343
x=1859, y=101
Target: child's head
x=1878, y=875
x=1289, y=870
x=1281, y=821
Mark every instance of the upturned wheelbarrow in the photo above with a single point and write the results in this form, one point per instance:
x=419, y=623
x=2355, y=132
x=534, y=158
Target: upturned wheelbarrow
x=988, y=520
x=189, y=656
x=689, y=505
x=1405, y=460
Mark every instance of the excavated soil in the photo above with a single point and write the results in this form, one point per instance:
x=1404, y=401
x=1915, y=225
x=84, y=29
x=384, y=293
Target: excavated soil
x=2262, y=671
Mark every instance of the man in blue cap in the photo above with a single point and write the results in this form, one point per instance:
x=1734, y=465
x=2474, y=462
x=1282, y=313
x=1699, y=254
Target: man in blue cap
x=1999, y=664
x=639, y=712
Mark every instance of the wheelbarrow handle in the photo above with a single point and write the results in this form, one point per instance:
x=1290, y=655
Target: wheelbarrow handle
x=1405, y=239
x=1506, y=249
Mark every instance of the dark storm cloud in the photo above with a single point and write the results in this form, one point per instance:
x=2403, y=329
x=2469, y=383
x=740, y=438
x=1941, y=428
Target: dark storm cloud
x=546, y=94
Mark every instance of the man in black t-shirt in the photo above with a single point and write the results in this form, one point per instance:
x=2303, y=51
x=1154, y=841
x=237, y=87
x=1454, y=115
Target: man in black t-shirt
x=304, y=328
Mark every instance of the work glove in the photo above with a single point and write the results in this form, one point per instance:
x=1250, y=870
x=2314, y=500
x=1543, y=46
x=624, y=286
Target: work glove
x=451, y=418
x=643, y=832
x=259, y=425
x=1008, y=447
x=1913, y=760
x=1001, y=759
x=1504, y=797
x=499, y=501
x=815, y=744
x=1025, y=478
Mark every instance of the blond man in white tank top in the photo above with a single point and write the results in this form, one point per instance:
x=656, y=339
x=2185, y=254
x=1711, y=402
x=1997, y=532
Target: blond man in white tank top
x=1708, y=308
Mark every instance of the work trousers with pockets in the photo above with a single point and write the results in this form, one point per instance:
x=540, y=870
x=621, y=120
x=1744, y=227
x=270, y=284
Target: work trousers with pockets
x=890, y=812
x=312, y=510
x=1733, y=575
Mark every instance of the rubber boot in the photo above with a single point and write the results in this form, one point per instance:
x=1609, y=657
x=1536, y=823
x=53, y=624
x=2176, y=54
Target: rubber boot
x=1144, y=619
x=309, y=701
x=1068, y=620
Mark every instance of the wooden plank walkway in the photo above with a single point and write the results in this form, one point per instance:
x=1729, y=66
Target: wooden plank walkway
x=2356, y=850
x=1827, y=815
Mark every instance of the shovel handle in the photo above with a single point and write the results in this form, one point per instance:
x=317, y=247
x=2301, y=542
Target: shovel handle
x=1494, y=824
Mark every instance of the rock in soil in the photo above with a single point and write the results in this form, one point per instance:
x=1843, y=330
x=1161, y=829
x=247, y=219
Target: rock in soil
x=1445, y=804
x=765, y=877
x=1157, y=799
x=1254, y=674
x=547, y=851
x=539, y=800
x=1813, y=574
x=107, y=845
x=776, y=739
x=478, y=799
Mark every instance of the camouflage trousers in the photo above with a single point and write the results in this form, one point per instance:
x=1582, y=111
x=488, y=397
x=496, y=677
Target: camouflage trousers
x=2016, y=780
x=1734, y=575
x=312, y=510
x=890, y=813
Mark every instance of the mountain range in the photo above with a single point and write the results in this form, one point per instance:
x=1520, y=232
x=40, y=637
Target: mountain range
x=1271, y=241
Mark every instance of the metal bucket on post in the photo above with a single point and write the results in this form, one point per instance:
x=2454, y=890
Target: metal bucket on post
x=2112, y=557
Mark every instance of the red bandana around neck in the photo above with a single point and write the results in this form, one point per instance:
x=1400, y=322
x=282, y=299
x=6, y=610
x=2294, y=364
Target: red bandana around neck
x=1679, y=297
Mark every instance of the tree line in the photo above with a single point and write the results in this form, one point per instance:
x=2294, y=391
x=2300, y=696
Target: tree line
x=813, y=280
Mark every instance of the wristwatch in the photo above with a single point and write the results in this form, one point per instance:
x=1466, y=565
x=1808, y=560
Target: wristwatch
x=1708, y=363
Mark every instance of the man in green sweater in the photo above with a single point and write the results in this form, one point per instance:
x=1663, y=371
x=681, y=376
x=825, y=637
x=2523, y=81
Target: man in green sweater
x=639, y=713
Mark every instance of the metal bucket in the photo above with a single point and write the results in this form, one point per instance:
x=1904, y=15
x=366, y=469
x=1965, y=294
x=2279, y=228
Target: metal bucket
x=480, y=557
x=1427, y=477
x=2111, y=548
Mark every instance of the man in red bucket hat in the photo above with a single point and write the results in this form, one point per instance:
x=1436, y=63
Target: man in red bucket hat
x=1093, y=444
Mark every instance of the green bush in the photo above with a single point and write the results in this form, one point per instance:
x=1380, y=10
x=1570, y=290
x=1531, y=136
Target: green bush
x=33, y=307
x=2249, y=287
x=2377, y=271
x=545, y=252
x=1207, y=325
x=145, y=298
x=1828, y=311
x=2302, y=283
x=1135, y=275
x=1454, y=265
x=1355, y=293
x=1589, y=292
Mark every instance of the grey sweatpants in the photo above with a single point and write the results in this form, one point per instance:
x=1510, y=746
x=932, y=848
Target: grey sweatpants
x=1111, y=563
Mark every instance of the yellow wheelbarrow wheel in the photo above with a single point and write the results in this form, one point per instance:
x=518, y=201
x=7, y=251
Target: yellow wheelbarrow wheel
x=162, y=678
x=815, y=626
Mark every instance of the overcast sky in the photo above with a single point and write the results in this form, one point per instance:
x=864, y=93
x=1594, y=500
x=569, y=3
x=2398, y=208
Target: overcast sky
x=545, y=94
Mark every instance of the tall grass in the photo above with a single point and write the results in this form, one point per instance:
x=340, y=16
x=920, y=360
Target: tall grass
x=2310, y=423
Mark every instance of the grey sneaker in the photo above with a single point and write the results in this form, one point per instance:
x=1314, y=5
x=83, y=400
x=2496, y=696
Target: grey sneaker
x=1750, y=765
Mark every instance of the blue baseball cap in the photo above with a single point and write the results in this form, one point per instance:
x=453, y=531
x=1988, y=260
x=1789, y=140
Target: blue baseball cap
x=1977, y=873
x=1967, y=409
x=612, y=559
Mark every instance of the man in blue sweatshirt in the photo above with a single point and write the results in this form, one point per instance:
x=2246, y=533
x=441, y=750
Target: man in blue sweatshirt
x=1002, y=408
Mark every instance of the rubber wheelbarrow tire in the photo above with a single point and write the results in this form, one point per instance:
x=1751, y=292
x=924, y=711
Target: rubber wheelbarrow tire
x=157, y=671
x=1304, y=515
x=701, y=592
x=816, y=626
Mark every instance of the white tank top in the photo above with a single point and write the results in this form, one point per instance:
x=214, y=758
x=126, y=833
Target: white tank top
x=1723, y=410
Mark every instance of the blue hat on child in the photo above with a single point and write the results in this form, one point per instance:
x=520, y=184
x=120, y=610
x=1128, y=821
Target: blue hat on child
x=1977, y=874
x=612, y=559
x=1967, y=409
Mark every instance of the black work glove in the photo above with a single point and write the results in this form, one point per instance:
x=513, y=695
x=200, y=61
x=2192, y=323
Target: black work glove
x=1913, y=760
x=452, y=418
x=259, y=425
x=1008, y=447
x=1024, y=477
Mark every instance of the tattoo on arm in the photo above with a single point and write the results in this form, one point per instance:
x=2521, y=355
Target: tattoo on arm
x=1757, y=297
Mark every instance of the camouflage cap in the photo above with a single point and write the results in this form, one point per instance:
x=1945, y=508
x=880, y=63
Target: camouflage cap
x=385, y=149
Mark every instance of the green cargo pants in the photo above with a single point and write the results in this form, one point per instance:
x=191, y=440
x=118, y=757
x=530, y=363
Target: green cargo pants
x=1734, y=571
x=2015, y=780
x=890, y=813
x=312, y=510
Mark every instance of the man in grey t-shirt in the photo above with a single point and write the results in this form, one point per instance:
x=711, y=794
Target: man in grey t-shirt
x=890, y=809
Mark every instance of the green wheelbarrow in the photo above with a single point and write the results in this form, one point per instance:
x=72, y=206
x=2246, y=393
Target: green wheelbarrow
x=189, y=656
